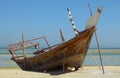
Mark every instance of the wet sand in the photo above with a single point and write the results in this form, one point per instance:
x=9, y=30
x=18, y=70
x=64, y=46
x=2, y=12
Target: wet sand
x=85, y=72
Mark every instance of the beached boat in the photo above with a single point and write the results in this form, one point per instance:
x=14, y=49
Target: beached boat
x=69, y=53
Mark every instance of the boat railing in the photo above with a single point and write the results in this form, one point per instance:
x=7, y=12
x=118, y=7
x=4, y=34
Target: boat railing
x=13, y=48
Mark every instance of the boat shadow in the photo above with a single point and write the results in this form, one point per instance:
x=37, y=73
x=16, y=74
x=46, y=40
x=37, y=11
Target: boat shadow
x=57, y=72
x=54, y=72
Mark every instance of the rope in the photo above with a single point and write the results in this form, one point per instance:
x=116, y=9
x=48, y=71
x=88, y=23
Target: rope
x=94, y=60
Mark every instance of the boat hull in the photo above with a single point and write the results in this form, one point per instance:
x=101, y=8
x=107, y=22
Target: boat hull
x=70, y=54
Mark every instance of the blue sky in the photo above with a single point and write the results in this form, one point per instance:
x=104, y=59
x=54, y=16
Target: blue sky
x=47, y=17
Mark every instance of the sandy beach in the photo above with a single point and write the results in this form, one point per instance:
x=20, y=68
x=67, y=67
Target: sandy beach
x=85, y=72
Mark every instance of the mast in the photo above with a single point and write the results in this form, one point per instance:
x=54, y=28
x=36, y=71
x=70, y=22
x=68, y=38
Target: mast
x=72, y=22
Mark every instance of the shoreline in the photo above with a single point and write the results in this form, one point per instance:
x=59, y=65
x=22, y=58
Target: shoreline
x=9, y=67
x=85, y=72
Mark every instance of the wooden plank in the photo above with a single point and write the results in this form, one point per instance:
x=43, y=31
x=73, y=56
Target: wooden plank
x=26, y=41
x=33, y=45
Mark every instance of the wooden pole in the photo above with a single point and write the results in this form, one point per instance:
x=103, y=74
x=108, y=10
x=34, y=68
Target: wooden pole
x=47, y=43
x=62, y=37
x=72, y=22
x=99, y=52
x=23, y=44
x=90, y=9
x=97, y=42
x=63, y=40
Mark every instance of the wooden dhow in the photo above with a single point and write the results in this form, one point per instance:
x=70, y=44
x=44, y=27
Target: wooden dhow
x=69, y=53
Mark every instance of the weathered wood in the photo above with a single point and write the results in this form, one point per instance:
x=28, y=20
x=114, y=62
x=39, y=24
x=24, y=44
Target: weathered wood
x=28, y=46
x=47, y=43
x=62, y=37
x=63, y=41
x=27, y=41
x=75, y=52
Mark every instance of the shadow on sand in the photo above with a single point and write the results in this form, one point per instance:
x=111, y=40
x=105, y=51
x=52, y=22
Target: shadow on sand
x=59, y=71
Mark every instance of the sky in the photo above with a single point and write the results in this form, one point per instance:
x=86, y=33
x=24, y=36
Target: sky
x=46, y=17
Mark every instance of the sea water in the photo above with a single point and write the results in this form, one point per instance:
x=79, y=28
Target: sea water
x=110, y=57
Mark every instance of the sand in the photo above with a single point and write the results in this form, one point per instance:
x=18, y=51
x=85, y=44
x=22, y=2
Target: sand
x=85, y=72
